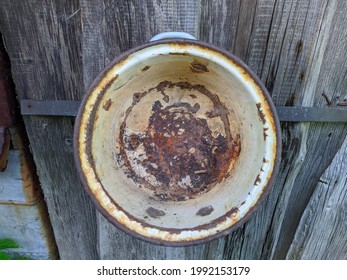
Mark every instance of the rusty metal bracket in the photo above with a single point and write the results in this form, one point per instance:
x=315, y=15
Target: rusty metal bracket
x=285, y=113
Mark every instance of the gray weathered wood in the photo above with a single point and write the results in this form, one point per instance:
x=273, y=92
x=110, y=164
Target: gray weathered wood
x=318, y=143
x=284, y=43
x=296, y=47
x=321, y=233
x=43, y=42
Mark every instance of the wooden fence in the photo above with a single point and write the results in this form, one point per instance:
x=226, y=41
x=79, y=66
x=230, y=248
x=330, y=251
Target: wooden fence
x=297, y=48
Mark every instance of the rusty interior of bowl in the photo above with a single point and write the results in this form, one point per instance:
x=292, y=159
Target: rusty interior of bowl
x=176, y=142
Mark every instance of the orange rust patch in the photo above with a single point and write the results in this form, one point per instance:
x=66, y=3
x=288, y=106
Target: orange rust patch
x=260, y=113
x=177, y=157
x=109, y=79
x=107, y=105
x=198, y=67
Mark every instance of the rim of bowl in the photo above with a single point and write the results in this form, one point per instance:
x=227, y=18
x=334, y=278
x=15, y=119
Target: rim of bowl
x=267, y=187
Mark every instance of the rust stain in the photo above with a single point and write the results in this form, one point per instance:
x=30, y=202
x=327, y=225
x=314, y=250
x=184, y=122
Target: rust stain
x=180, y=151
x=264, y=132
x=5, y=142
x=145, y=68
x=107, y=105
x=328, y=101
x=179, y=53
x=110, y=78
x=205, y=211
x=233, y=211
x=155, y=213
x=198, y=67
x=260, y=113
x=30, y=181
x=298, y=47
x=257, y=180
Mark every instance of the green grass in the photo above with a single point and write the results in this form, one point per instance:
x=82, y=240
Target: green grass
x=8, y=243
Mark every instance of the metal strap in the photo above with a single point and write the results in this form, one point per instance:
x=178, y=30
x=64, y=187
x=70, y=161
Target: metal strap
x=50, y=107
x=285, y=113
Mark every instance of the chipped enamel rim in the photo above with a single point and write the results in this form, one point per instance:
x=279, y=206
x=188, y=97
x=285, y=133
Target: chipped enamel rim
x=118, y=216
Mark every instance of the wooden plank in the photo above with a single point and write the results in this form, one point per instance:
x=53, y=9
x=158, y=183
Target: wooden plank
x=219, y=21
x=45, y=58
x=321, y=233
x=120, y=26
x=318, y=142
x=71, y=211
x=284, y=42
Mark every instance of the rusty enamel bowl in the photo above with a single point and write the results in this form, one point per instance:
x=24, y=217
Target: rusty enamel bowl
x=176, y=142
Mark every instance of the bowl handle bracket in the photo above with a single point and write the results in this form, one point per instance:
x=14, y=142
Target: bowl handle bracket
x=172, y=35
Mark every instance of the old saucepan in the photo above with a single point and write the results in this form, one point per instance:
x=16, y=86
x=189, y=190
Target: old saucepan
x=177, y=141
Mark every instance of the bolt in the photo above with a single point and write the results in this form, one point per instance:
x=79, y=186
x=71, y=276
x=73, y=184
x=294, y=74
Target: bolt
x=68, y=141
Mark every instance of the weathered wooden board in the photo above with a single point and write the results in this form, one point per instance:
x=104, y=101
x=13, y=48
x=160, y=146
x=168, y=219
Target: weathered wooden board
x=296, y=47
x=43, y=42
x=321, y=233
x=284, y=42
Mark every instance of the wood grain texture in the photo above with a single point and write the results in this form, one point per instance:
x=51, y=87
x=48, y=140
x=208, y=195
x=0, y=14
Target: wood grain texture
x=71, y=211
x=298, y=50
x=318, y=143
x=321, y=233
x=284, y=43
x=45, y=58
x=124, y=24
